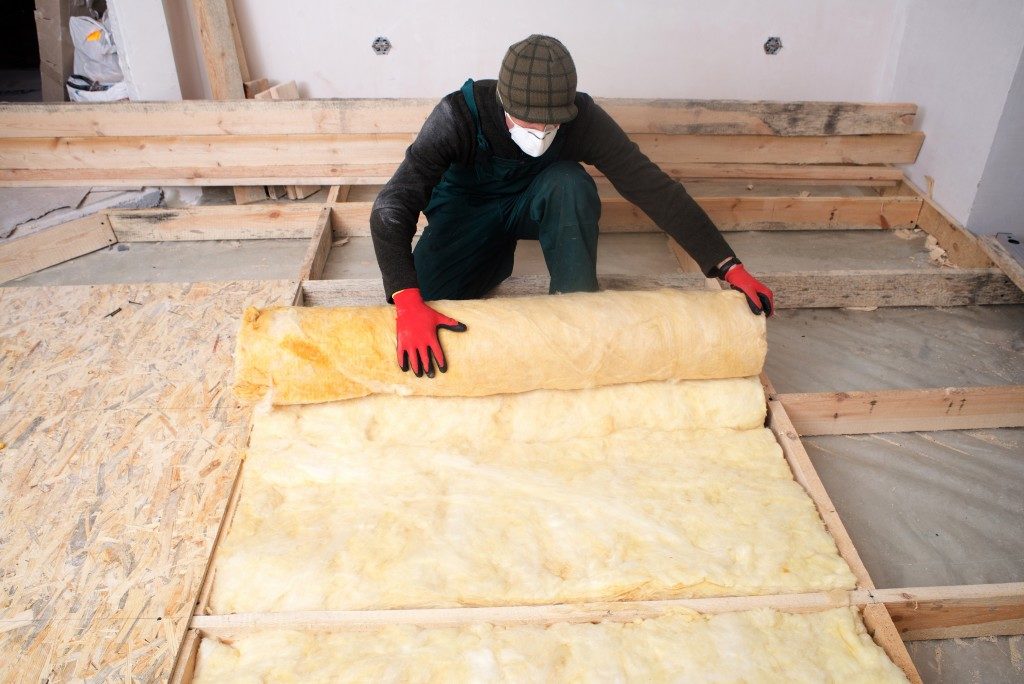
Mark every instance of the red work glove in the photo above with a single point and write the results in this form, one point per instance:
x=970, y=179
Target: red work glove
x=417, y=325
x=759, y=297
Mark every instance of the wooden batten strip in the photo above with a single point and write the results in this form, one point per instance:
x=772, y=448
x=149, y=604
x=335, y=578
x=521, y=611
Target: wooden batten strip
x=912, y=410
x=407, y=115
x=951, y=611
x=618, y=611
x=31, y=253
x=378, y=174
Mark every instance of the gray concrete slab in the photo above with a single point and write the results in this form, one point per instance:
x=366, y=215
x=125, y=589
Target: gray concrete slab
x=992, y=660
x=815, y=250
x=929, y=508
x=169, y=262
x=821, y=350
x=617, y=254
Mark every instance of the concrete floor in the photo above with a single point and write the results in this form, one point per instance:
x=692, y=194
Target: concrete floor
x=922, y=508
x=171, y=262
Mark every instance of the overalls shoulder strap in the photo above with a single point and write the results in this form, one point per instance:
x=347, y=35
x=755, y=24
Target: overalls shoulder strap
x=467, y=92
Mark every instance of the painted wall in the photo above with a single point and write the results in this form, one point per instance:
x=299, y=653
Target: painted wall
x=839, y=49
x=956, y=61
x=999, y=205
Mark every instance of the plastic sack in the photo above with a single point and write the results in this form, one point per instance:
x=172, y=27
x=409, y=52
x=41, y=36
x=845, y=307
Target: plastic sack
x=95, y=52
x=83, y=89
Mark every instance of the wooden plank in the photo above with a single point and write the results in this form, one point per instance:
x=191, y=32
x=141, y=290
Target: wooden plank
x=284, y=220
x=957, y=612
x=319, y=248
x=811, y=213
x=236, y=35
x=948, y=408
x=220, y=53
x=31, y=253
x=312, y=151
x=998, y=254
x=689, y=117
x=729, y=214
x=255, y=86
x=997, y=607
x=960, y=244
x=225, y=65
x=288, y=91
x=379, y=173
x=352, y=219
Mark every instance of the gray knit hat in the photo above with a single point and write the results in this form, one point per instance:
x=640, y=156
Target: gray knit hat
x=538, y=81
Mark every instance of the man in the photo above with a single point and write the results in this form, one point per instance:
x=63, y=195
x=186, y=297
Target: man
x=497, y=162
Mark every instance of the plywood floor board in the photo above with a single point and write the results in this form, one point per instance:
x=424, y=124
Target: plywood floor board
x=122, y=444
x=167, y=346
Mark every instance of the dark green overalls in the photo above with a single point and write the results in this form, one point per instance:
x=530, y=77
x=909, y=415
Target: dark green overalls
x=477, y=213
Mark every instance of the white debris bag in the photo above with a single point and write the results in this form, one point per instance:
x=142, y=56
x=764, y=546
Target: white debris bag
x=83, y=89
x=95, y=52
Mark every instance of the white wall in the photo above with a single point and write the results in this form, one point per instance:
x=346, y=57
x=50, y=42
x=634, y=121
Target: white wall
x=999, y=205
x=957, y=61
x=838, y=49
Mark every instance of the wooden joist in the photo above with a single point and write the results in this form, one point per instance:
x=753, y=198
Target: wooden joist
x=956, y=612
x=1003, y=259
x=31, y=253
x=355, y=116
x=192, y=159
x=352, y=219
x=779, y=213
x=960, y=244
x=319, y=248
x=910, y=410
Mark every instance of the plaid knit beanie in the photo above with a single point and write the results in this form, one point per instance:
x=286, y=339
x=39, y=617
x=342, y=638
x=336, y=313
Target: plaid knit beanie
x=537, y=82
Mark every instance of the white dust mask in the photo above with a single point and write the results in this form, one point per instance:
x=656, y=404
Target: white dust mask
x=533, y=143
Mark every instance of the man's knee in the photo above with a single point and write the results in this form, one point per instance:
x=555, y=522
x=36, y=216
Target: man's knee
x=570, y=177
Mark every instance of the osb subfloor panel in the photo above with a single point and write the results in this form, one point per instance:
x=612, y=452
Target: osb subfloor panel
x=122, y=443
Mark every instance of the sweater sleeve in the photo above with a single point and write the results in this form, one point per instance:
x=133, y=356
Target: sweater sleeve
x=441, y=141
x=642, y=182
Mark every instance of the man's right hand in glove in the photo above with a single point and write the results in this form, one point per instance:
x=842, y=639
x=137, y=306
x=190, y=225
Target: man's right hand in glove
x=417, y=324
